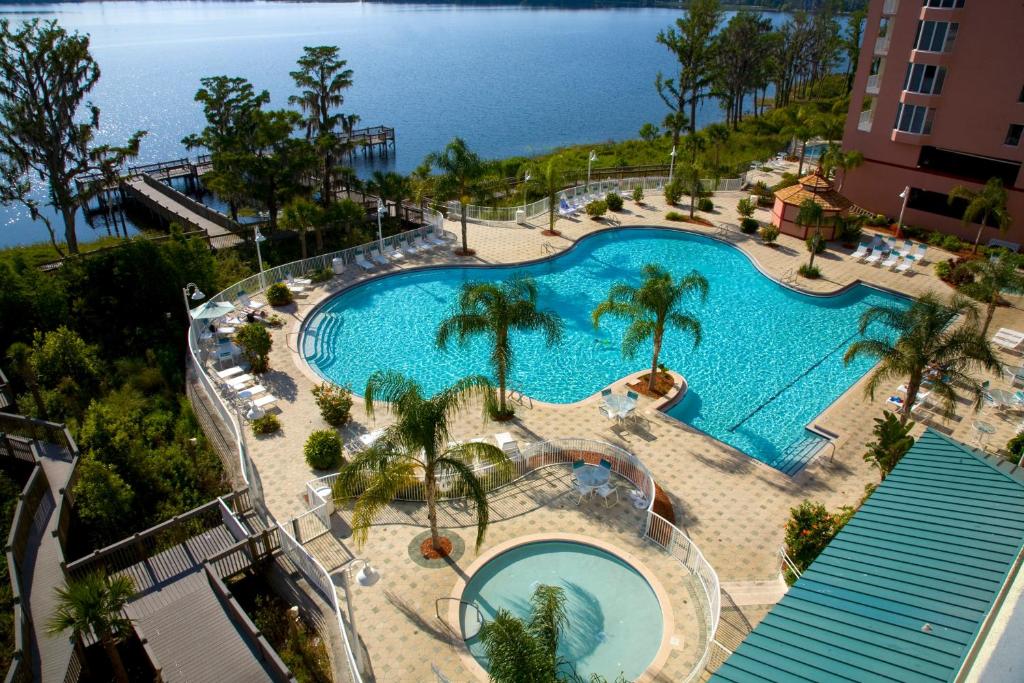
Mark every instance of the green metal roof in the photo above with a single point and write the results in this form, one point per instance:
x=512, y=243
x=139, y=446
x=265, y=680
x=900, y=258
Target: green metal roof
x=901, y=592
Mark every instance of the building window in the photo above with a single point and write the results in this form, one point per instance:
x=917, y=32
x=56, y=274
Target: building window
x=1013, y=134
x=967, y=166
x=912, y=118
x=935, y=36
x=944, y=4
x=925, y=78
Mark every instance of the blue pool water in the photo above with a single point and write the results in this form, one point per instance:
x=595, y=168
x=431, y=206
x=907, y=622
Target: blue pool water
x=771, y=359
x=615, y=619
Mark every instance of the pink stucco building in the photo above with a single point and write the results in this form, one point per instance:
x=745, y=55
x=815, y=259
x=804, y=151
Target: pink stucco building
x=938, y=101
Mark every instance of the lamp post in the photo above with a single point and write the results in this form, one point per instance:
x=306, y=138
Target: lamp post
x=381, y=207
x=590, y=160
x=526, y=179
x=905, y=195
x=366, y=577
x=190, y=291
x=671, y=163
x=259, y=239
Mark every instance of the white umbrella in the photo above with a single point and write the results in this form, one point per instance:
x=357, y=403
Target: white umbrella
x=212, y=310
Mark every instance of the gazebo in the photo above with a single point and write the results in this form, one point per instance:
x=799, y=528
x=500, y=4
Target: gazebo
x=817, y=189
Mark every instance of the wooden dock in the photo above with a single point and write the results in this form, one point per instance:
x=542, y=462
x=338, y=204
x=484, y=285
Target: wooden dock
x=376, y=140
x=177, y=207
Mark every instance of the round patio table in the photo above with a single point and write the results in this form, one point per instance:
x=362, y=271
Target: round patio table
x=593, y=475
x=620, y=404
x=984, y=431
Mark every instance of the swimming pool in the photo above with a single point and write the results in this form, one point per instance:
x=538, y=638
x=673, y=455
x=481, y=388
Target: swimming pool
x=615, y=620
x=770, y=362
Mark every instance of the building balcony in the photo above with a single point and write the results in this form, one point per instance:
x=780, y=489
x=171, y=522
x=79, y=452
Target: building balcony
x=890, y=7
x=866, y=116
x=909, y=138
x=882, y=46
x=872, y=87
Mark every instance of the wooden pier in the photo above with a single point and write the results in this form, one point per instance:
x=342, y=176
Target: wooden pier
x=377, y=140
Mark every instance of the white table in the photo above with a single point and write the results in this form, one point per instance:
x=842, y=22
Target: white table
x=506, y=442
x=593, y=476
x=619, y=405
x=370, y=438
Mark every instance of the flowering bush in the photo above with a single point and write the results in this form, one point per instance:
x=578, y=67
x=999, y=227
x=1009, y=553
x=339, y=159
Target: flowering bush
x=335, y=403
x=810, y=528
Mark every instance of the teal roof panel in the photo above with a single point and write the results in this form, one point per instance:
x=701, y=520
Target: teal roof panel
x=901, y=592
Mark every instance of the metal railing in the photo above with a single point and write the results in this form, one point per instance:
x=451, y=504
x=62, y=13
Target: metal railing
x=192, y=205
x=882, y=45
x=890, y=7
x=864, y=122
x=872, y=86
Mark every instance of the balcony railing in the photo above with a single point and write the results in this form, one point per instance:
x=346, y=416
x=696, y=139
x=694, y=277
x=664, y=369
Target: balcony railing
x=872, y=86
x=866, y=117
x=890, y=7
x=882, y=45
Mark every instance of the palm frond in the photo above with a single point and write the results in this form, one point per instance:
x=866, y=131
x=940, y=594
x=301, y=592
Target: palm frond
x=380, y=490
x=390, y=387
x=687, y=323
x=637, y=333
x=477, y=493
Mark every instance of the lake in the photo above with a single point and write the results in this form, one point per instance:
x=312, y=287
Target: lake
x=509, y=79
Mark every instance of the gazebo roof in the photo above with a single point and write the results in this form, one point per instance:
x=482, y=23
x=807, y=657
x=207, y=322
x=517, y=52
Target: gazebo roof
x=817, y=189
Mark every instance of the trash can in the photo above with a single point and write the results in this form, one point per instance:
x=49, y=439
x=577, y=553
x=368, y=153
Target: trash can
x=520, y=216
x=338, y=265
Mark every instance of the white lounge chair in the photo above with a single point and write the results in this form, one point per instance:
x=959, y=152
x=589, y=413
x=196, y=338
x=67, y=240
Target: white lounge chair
x=919, y=255
x=1013, y=375
x=378, y=257
x=907, y=265
x=295, y=289
x=302, y=281
x=363, y=263
x=862, y=251
x=249, y=392
x=248, y=304
x=395, y=254
x=229, y=372
x=874, y=258
x=1009, y=334
x=236, y=383
x=891, y=260
x=424, y=243
x=1008, y=343
x=564, y=210
x=433, y=238
x=264, y=401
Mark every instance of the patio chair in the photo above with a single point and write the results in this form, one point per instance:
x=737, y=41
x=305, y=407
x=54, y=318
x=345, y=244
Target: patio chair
x=433, y=239
x=583, y=491
x=301, y=281
x=229, y=372
x=922, y=249
x=395, y=253
x=607, y=464
x=606, y=392
x=863, y=249
x=239, y=381
x=875, y=257
x=1013, y=375
x=1008, y=343
x=363, y=263
x=264, y=401
x=564, y=210
x=907, y=266
x=252, y=391
x=890, y=243
x=606, y=491
x=378, y=257
x=891, y=260
x=632, y=395
x=608, y=412
x=248, y=304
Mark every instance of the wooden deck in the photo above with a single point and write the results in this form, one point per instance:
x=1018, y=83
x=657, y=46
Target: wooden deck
x=163, y=202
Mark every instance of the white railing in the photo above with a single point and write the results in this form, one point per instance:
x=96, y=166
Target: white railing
x=866, y=116
x=597, y=189
x=890, y=7
x=872, y=86
x=657, y=529
x=882, y=45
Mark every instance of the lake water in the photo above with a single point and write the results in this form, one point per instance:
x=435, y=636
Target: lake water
x=510, y=80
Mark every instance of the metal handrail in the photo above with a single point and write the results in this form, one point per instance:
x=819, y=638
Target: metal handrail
x=788, y=562
x=437, y=611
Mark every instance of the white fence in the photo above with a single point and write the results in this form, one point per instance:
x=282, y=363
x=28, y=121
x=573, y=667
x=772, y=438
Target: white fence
x=597, y=189
x=657, y=529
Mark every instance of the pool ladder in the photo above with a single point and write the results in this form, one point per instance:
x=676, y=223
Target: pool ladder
x=519, y=397
x=472, y=628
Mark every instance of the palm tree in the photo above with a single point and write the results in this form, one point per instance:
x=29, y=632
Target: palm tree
x=520, y=650
x=417, y=449
x=651, y=307
x=992, y=276
x=460, y=169
x=810, y=214
x=925, y=339
x=801, y=125
x=302, y=215
x=834, y=160
x=495, y=310
x=322, y=79
x=552, y=180
x=391, y=187
x=988, y=204
x=95, y=604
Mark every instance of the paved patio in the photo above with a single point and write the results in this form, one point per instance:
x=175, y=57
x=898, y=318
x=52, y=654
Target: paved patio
x=733, y=506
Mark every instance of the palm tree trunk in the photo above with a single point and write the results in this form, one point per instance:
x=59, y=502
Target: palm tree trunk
x=110, y=648
x=37, y=398
x=465, y=245
x=990, y=310
x=654, y=362
x=803, y=151
x=431, y=486
x=981, y=228
x=913, y=385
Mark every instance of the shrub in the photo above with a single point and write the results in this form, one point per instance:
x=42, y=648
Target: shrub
x=673, y=192
x=706, y=205
x=614, y=201
x=597, y=208
x=675, y=216
x=749, y=225
x=878, y=220
x=745, y=207
x=321, y=275
x=952, y=243
x=809, y=272
x=638, y=195
x=765, y=200
x=952, y=272
x=788, y=180
x=335, y=403
x=268, y=424
x=761, y=189
x=815, y=243
x=892, y=441
x=913, y=232
x=809, y=530
x=278, y=294
x=255, y=343
x=943, y=270
x=1015, y=447
x=769, y=234
x=851, y=231
x=323, y=450
x=935, y=238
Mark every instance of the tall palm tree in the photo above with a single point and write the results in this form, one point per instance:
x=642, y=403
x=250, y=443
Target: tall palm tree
x=417, y=449
x=495, y=310
x=520, y=650
x=987, y=204
x=926, y=339
x=302, y=215
x=835, y=159
x=810, y=214
x=651, y=307
x=95, y=604
x=551, y=178
x=390, y=187
x=991, y=277
x=322, y=79
x=460, y=169
x=801, y=124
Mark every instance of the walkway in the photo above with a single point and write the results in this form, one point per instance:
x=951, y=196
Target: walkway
x=42, y=570
x=175, y=206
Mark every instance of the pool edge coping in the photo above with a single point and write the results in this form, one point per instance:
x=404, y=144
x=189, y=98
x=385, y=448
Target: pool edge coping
x=474, y=667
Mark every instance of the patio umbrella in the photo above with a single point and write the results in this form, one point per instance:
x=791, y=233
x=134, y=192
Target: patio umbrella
x=212, y=310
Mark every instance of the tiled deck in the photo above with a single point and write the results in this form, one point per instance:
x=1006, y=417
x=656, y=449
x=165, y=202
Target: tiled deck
x=733, y=506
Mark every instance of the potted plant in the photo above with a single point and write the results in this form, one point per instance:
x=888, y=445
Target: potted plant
x=638, y=195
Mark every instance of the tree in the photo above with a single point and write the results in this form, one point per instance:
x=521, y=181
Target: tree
x=256, y=343
x=551, y=178
x=322, y=80
x=835, y=159
x=20, y=356
x=460, y=169
x=494, y=311
x=416, y=450
x=892, y=441
x=690, y=176
x=649, y=132
x=739, y=49
x=850, y=43
x=520, y=650
x=95, y=604
x=992, y=276
x=46, y=75
x=390, y=186
x=650, y=308
x=922, y=345
x=801, y=124
x=103, y=499
x=302, y=215
x=691, y=42
x=987, y=204
x=810, y=214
